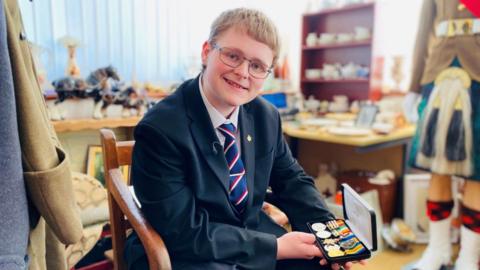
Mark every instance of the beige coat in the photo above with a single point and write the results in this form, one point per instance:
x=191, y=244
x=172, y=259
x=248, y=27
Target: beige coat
x=54, y=218
x=433, y=54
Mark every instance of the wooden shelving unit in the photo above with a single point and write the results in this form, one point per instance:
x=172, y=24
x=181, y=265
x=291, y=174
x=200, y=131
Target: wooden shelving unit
x=339, y=45
x=337, y=20
x=341, y=81
x=92, y=124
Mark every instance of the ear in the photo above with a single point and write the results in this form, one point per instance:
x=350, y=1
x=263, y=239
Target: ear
x=205, y=51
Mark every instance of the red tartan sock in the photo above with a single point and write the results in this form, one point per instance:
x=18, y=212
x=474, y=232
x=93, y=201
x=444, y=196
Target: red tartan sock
x=471, y=218
x=439, y=210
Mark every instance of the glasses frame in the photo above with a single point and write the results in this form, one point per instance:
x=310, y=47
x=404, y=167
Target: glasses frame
x=220, y=49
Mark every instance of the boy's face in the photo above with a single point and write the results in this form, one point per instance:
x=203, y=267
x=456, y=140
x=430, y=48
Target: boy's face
x=227, y=87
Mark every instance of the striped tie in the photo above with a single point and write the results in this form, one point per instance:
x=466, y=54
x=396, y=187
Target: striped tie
x=238, y=192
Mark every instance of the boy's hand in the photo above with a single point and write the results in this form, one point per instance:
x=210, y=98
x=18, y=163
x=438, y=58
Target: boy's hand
x=300, y=245
x=297, y=245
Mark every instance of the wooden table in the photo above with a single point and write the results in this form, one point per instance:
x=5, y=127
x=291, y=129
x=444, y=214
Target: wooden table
x=361, y=143
x=373, y=152
x=370, y=153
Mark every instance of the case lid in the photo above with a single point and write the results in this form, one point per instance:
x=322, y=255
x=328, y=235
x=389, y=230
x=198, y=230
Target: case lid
x=360, y=217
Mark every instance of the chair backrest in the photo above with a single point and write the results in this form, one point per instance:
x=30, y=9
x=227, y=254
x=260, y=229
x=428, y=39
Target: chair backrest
x=123, y=209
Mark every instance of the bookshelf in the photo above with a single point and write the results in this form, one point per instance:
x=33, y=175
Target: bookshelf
x=337, y=20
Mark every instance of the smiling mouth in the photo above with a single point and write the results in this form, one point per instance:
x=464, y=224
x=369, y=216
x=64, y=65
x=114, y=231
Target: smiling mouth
x=234, y=84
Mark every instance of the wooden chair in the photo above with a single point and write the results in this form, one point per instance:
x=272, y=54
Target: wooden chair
x=123, y=210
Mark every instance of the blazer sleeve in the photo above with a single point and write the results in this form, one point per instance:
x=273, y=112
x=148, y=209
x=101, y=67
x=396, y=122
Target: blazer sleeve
x=294, y=190
x=420, y=53
x=162, y=186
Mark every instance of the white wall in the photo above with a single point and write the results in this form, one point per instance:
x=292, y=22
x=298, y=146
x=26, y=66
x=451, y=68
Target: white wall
x=156, y=40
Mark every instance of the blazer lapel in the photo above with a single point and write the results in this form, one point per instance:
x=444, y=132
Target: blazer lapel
x=204, y=134
x=247, y=133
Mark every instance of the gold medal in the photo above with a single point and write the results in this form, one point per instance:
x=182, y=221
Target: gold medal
x=335, y=253
x=331, y=247
x=330, y=241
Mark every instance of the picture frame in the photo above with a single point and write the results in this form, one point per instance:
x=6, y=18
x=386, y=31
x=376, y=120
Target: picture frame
x=415, y=205
x=95, y=165
x=366, y=115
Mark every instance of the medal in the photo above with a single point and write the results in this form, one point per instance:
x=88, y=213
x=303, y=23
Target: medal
x=323, y=234
x=318, y=227
x=335, y=253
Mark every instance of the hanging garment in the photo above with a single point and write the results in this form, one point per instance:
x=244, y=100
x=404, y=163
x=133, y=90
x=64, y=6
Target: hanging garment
x=447, y=31
x=54, y=217
x=447, y=140
x=13, y=199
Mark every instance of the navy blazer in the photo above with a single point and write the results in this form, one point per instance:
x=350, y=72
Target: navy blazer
x=180, y=176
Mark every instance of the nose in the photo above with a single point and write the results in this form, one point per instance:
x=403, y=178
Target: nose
x=242, y=70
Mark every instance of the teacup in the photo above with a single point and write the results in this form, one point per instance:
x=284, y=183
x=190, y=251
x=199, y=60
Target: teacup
x=330, y=72
x=349, y=71
x=311, y=39
x=326, y=38
x=313, y=73
x=362, y=33
x=340, y=99
x=344, y=37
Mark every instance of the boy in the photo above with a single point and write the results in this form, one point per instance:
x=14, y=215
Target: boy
x=205, y=156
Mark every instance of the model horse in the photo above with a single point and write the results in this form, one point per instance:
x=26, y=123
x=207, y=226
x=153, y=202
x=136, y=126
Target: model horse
x=104, y=86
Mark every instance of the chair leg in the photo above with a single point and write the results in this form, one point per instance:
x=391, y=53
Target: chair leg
x=118, y=234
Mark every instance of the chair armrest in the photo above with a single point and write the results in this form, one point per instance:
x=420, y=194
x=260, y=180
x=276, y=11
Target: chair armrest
x=155, y=248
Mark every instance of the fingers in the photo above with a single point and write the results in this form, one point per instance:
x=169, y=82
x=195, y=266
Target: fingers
x=307, y=238
x=335, y=266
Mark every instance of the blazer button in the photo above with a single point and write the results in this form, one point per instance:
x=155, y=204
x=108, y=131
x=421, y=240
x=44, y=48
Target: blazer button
x=23, y=36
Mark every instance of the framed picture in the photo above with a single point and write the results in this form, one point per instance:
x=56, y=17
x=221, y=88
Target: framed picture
x=366, y=115
x=95, y=164
x=415, y=205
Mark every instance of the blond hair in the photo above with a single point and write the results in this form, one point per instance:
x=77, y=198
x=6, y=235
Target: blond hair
x=253, y=22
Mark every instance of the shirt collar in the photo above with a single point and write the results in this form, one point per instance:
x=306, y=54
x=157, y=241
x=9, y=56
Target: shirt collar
x=215, y=116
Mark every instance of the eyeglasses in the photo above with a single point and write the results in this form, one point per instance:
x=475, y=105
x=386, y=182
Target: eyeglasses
x=233, y=58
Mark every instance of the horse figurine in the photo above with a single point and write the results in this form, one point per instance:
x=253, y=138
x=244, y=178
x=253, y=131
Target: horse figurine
x=104, y=86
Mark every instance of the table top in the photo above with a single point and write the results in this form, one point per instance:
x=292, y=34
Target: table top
x=293, y=130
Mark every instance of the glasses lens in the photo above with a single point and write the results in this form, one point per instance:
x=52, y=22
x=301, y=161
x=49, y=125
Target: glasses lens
x=230, y=57
x=233, y=58
x=257, y=70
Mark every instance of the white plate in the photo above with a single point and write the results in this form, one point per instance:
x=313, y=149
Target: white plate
x=383, y=128
x=319, y=122
x=349, y=131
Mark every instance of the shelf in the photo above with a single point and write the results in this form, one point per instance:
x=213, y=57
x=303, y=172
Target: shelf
x=346, y=8
x=361, y=80
x=89, y=124
x=338, y=45
x=337, y=20
x=50, y=94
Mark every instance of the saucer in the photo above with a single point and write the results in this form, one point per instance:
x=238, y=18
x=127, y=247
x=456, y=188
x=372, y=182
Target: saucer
x=349, y=131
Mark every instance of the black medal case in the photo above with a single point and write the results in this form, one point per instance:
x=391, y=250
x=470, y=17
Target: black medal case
x=350, y=239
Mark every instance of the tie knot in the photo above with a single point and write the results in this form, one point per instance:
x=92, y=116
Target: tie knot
x=229, y=127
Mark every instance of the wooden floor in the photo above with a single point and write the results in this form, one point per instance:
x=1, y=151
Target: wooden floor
x=386, y=259
x=391, y=260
